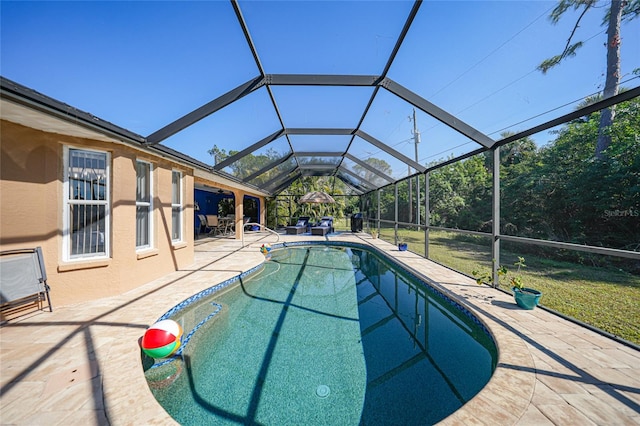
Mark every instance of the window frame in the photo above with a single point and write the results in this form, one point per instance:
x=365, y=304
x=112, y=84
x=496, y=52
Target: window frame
x=68, y=202
x=179, y=206
x=148, y=205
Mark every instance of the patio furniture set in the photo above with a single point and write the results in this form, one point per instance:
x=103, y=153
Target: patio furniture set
x=322, y=227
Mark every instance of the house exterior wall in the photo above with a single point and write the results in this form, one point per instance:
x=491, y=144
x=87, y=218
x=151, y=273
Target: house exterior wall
x=31, y=214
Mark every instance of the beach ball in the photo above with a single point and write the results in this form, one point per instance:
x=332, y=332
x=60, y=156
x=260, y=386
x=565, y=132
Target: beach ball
x=265, y=249
x=162, y=339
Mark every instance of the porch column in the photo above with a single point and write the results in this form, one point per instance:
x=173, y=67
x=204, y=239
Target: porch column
x=239, y=196
x=263, y=211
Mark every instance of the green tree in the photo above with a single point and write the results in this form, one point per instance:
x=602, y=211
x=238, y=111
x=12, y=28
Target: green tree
x=520, y=188
x=617, y=12
x=602, y=199
x=560, y=192
x=460, y=194
x=291, y=209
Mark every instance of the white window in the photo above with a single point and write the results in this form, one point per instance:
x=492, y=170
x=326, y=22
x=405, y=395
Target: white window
x=176, y=205
x=144, y=205
x=86, y=204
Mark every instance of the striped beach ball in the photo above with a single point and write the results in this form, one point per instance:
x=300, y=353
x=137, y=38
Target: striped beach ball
x=162, y=339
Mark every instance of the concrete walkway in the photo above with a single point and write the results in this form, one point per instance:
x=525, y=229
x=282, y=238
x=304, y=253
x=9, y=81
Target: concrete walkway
x=81, y=364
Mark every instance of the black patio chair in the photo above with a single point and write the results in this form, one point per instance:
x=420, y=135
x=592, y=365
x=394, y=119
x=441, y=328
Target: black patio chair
x=324, y=227
x=300, y=227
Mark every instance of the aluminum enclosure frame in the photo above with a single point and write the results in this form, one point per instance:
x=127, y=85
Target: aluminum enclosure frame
x=269, y=80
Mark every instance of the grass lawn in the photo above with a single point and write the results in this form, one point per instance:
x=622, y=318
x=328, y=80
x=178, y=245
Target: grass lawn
x=604, y=297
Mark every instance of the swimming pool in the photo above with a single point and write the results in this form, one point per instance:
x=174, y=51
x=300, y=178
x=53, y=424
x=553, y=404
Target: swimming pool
x=324, y=335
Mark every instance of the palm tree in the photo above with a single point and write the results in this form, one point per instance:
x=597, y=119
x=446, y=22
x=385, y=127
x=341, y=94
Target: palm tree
x=618, y=11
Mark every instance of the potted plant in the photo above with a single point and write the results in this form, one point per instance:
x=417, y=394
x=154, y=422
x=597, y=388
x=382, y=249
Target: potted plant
x=526, y=298
x=402, y=246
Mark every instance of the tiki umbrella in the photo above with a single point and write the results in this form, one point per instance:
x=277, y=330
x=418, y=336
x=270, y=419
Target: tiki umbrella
x=317, y=197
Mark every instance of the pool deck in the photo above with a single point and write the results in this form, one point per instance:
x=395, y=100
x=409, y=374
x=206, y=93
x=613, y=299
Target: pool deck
x=81, y=364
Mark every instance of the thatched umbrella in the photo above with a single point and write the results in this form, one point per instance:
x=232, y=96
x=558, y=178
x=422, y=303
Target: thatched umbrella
x=317, y=197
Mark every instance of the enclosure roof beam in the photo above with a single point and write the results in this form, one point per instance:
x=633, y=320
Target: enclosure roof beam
x=437, y=113
x=249, y=150
x=254, y=52
x=403, y=34
x=343, y=177
x=318, y=154
x=355, y=175
x=318, y=166
x=268, y=167
x=350, y=184
x=318, y=131
x=318, y=172
x=386, y=148
x=589, y=109
x=369, y=167
x=358, y=191
x=205, y=110
x=285, y=184
x=387, y=67
x=321, y=80
x=280, y=176
x=247, y=35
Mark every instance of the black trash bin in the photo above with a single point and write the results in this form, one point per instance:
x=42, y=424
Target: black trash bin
x=356, y=222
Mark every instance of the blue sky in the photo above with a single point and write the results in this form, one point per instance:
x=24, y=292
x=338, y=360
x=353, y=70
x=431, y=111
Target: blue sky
x=144, y=64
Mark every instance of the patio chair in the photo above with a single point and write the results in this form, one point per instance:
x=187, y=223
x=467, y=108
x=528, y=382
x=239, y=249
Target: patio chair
x=300, y=227
x=324, y=227
x=228, y=223
x=214, y=224
x=23, y=281
x=204, y=226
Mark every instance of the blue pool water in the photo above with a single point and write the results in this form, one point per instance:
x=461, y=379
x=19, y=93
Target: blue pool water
x=324, y=335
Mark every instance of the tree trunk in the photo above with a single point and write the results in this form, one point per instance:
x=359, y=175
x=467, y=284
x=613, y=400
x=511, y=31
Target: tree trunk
x=612, y=80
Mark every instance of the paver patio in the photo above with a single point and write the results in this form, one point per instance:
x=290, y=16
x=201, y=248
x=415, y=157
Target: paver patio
x=81, y=363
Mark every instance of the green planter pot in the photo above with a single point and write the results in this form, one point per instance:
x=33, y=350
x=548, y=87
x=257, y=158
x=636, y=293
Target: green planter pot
x=527, y=298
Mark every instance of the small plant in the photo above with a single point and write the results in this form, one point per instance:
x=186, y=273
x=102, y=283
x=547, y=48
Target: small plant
x=483, y=276
x=516, y=281
x=526, y=298
x=486, y=276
